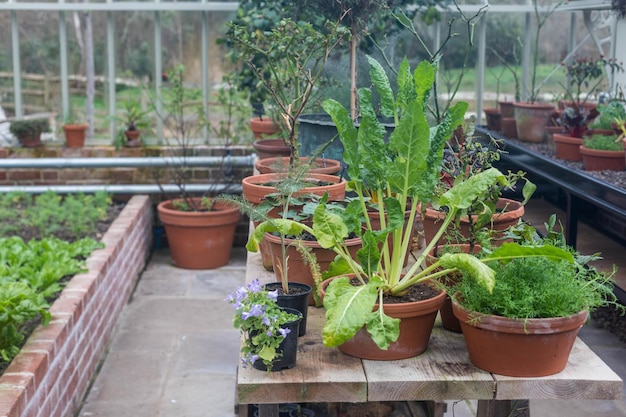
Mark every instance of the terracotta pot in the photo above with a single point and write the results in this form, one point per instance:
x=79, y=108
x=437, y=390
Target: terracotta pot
x=567, y=147
x=281, y=164
x=599, y=160
x=499, y=222
x=132, y=138
x=509, y=128
x=254, y=190
x=416, y=324
x=262, y=128
x=494, y=119
x=298, y=299
x=448, y=319
x=199, y=240
x=550, y=131
x=255, y=187
x=33, y=141
x=519, y=347
x=269, y=148
x=506, y=108
x=531, y=120
x=75, y=135
x=298, y=269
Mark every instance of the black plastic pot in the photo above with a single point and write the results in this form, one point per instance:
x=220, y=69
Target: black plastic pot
x=288, y=347
x=299, y=301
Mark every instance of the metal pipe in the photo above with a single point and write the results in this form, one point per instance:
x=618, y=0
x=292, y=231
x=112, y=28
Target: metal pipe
x=133, y=162
x=124, y=188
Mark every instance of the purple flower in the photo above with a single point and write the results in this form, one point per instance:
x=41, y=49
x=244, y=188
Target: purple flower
x=284, y=332
x=273, y=295
x=255, y=285
x=256, y=310
x=266, y=321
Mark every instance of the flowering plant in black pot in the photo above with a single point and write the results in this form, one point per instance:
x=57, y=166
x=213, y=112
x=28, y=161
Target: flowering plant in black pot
x=265, y=325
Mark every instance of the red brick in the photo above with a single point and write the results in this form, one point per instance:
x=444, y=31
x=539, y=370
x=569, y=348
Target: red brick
x=35, y=363
x=12, y=401
x=72, y=174
x=23, y=175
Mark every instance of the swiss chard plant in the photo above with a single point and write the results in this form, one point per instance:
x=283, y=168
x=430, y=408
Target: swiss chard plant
x=394, y=177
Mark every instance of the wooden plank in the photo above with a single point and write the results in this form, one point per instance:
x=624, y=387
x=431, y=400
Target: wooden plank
x=442, y=372
x=586, y=376
x=320, y=375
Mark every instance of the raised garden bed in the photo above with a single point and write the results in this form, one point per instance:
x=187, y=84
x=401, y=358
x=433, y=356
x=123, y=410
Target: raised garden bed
x=51, y=374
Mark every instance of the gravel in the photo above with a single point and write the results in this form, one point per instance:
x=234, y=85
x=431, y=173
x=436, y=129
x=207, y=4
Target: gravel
x=616, y=178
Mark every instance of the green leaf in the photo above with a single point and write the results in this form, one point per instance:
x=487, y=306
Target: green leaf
x=348, y=308
x=369, y=255
x=528, y=190
x=383, y=329
x=485, y=276
x=508, y=251
x=372, y=149
x=283, y=226
x=329, y=228
x=347, y=134
x=339, y=266
x=379, y=78
x=463, y=194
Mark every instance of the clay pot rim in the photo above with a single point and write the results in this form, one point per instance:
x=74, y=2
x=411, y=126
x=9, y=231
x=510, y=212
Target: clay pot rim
x=565, y=138
x=259, y=179
x=601, y=152
x=75, y=126
x=517, y=326
x=532, y=106
x=268, y=164
x=220, y=209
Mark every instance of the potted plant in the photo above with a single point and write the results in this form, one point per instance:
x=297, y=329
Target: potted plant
x=74, y=130
x=398, y=174
x=134, y=120
x=607, y=114
x=294, y=53
x=532, y=116
x=270, y=332
x=199, y=231
x=527, y=325
x=603, y=152
x=28, y=131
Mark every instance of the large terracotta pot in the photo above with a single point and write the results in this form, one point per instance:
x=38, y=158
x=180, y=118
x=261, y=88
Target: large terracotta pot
x=567, y=147
x=531, y=120
x=519, y=347
x=199, y=240
x=263, y=127
x=513, y=211
x=448, y=319
x=281, y=164
x=255, y=188
x=269, y=148
x=75, y=135
x=298, y=269
x=416, y=323
x=599, y=160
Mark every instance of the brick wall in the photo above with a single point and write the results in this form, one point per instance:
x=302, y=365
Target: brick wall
x=52, y=372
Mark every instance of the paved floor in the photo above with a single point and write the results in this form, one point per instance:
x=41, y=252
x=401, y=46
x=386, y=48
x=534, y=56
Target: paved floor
x=174, y=351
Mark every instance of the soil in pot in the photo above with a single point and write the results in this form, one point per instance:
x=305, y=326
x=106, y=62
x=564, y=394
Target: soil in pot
x=517, y=347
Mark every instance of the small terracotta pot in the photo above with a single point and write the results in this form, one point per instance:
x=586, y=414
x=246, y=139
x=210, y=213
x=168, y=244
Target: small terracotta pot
x=263, y=127
x=269, y=148
x=506, y=108
x=567, y=147
x=494, y=119
x=500, y=221
x=599, y=160
x=531, y=120
x=519, y=347
x=75, y=135
x=281, y=164
x=199, y=240
x=509, y=128
x=132, y=138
